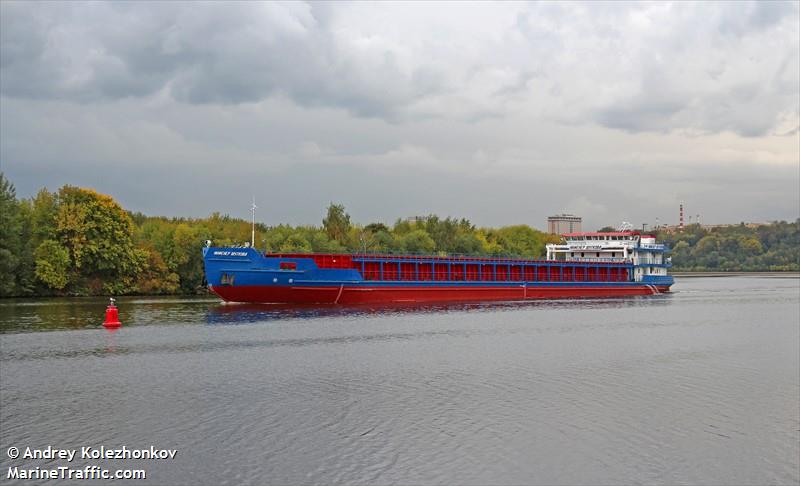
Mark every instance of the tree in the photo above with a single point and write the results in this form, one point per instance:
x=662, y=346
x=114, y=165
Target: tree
x=382, y=242
x=98, y=235
x=38, y=218
x=9, y=237
x=706, y=245
x=376, y=228
x=187, y=243
x=295, y=244
x=156, y=277
x=337, y=223
x=419, y=242
x=468, y=244
x=521, y=240
x=52, y=264
x=681, y=254
x=321, y=243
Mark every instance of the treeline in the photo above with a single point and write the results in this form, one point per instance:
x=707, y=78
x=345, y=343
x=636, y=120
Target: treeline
x=78, y=242
x=772, y=247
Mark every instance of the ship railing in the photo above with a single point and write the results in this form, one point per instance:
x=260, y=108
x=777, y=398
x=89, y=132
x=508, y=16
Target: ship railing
x=461, y=257
x=598, y=260
x=575, y=243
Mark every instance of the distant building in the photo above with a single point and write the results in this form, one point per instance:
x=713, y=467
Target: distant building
x=563, y=223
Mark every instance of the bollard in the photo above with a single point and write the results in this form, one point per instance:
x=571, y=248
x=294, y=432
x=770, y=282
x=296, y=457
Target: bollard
x=112, y=316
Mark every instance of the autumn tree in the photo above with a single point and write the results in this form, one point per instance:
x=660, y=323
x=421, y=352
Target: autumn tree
x=97, y=235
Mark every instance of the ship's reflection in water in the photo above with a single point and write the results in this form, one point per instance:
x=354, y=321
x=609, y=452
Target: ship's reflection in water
x=235, y=313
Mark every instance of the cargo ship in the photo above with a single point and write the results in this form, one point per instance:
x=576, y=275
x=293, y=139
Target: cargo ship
x=592, y=264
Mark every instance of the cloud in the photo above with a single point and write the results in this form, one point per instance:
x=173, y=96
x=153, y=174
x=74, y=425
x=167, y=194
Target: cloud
x=501, y=112
x=201, y=54
x=635, y=67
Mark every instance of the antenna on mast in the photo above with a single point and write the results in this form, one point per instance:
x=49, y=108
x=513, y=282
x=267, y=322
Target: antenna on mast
x=253, y=233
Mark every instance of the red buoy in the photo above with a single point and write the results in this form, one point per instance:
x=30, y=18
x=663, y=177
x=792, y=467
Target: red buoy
x=112, y=316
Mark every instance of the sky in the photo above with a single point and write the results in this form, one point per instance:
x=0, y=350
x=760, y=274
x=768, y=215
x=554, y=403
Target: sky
x=501, y=113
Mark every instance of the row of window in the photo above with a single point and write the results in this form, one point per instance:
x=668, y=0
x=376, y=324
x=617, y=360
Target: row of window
x=597, y=254
x=599, y=238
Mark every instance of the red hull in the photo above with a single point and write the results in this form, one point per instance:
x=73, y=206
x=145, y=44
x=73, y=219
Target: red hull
x=382, y=295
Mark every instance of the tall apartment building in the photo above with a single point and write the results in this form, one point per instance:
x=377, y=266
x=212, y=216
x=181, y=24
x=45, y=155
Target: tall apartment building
x=563, y=223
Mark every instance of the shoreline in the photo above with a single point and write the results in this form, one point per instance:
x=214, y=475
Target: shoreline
x=736, y=274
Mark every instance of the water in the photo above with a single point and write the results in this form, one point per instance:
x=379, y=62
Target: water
x=700, y=387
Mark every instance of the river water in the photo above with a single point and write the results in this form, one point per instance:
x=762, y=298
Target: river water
x=701, y=386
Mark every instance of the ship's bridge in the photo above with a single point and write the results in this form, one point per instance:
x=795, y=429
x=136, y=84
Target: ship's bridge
x=598, y=246
x=642, y=251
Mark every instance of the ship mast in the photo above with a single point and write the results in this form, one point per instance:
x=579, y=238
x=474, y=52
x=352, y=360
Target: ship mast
x=253, y=233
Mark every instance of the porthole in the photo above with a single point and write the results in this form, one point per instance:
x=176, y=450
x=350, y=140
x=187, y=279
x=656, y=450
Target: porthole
x=275, y=280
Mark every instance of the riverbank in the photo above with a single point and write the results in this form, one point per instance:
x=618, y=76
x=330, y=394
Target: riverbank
x=737, y=274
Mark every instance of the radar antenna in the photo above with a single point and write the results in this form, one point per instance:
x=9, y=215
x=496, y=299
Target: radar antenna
x=625, y=226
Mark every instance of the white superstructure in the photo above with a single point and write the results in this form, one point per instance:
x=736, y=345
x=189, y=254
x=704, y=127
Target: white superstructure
x=642, y=251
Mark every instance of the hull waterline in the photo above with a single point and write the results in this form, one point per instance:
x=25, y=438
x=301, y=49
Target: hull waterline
x=350, y=295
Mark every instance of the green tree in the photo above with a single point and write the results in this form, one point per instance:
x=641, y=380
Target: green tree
x=98, y=234
x=156, y=277
x=10, y=244
x=468, y=244
x=522, y=240
x=187, y=256
x=52, y=264
x=418, y=241
x=337, y=223
x=706, y=245
x=751, y=246
x=296, y=244
x=376, y=228
x=681, y=254
x=38, y=224
x=382, y=242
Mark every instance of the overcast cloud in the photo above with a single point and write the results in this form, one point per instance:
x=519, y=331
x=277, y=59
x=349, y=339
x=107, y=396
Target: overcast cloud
x=499, y=112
